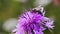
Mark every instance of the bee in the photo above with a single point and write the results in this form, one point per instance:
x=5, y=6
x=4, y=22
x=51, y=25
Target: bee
x=40, y=10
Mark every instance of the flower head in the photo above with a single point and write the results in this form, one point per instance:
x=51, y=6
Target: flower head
x=33, y=22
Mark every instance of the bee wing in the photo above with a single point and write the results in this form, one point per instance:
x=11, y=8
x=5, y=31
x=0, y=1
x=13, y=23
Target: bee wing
x=42, y=11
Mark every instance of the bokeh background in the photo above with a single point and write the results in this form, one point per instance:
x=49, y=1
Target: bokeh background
x=10, y=9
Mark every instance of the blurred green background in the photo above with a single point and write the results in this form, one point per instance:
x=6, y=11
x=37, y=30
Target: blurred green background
x=10, y=9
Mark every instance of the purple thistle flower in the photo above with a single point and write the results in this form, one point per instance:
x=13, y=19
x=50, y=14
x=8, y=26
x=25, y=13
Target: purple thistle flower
x=33, y=22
